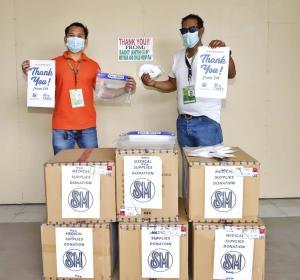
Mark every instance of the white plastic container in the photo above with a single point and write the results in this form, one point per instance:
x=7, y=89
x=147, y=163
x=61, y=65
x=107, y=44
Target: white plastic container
x=146, y=140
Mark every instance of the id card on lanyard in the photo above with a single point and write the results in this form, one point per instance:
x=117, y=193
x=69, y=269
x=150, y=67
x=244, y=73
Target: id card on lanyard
x=76, y=94
x=188, y=93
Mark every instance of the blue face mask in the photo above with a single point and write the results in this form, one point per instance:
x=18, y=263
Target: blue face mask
x=190, y=39
x=75, y=44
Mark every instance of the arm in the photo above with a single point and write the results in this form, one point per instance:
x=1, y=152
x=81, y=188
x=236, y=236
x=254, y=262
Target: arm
x=163, y=86
x=231, y=66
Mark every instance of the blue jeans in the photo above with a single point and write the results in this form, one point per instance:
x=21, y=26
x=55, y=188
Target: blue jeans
x=66, y=139
x=198, y=131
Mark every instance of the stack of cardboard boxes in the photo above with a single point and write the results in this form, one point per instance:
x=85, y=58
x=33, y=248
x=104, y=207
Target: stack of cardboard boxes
x=153, y=238
x=221, y=198
x=88, y=190
x=79, y=236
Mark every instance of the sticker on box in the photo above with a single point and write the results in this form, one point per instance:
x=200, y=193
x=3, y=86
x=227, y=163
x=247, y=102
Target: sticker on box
x=254, y=233
x=176, y=230
x=233, y=255
x=130, y=211
x=142, y=182
x=74, y=252
x=102, y=169
x=160, y=253
x=223, y=192
x=247, y=171
x=80, y=192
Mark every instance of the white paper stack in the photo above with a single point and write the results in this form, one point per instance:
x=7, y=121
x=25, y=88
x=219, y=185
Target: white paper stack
x=217, y=151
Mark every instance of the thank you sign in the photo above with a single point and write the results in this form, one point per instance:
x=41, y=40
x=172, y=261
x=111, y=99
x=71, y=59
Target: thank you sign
x=41, y=84
x=212, y=72
x=135, y=49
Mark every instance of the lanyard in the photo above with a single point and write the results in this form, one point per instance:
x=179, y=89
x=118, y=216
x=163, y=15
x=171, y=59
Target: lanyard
x=74, y=70
x=189, y=66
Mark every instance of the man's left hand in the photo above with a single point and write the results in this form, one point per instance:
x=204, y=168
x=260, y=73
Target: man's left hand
x=216, y=44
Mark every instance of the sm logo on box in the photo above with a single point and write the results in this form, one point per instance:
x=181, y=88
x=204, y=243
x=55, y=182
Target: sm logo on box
x=74, y=260
x=233, y=262
x=142, y=190
x=223, y=200
x=80, y=199
x=160, y=260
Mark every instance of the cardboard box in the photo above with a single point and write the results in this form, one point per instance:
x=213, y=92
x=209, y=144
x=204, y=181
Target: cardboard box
x=80, y=186
x=204, y=249
x=167, y=256
x=221, y=190
x=76, y=251
x=147, y=185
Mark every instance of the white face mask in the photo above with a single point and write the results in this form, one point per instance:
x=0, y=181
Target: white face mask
x=190, y=39
x=75, y=44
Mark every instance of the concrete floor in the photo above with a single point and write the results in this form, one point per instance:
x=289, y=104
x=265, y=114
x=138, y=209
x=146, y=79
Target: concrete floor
x=20, y=248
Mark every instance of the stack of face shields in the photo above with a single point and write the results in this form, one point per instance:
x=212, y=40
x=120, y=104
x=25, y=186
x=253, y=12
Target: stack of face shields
x=111, y=88
x=147, y=140
x=217, y=151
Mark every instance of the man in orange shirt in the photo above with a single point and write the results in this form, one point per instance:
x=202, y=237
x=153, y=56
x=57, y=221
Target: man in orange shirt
x=74, y=116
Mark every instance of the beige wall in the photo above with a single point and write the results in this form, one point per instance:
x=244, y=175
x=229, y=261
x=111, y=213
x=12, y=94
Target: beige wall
x=259, y=114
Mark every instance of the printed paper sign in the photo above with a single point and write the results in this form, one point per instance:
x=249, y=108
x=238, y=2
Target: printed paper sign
x=160, y=252
x=41, y=84
x=74, y=252
x=142, y=182
x=212, y=72
x=233, y=257
x=224, y=187
x=80, y=187
x=135, y=49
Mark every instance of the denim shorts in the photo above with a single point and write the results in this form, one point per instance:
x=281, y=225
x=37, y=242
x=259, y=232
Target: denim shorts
x=66, y=139
x=198, y=131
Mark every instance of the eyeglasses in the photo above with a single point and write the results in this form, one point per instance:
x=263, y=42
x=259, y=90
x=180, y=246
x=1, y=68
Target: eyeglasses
x=191, y=29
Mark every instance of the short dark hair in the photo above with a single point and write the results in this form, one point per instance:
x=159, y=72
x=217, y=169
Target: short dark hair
x=200, y=21
x=77, y=24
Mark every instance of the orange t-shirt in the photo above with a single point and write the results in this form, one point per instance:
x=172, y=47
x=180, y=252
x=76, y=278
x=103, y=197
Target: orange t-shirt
x=64, y=116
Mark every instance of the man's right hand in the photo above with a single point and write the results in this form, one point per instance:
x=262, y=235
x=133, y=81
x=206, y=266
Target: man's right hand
x=147, y=81
x=25, y=66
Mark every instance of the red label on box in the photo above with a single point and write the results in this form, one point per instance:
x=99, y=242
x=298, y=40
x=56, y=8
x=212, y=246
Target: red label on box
x=122, y=213
x=183, y=229
x=262, y=231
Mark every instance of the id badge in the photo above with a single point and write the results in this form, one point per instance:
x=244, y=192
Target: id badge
x=76, y=96
x=189, y=95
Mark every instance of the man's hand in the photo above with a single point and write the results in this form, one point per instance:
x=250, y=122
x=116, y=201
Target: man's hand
x=231, y=67
x=147, y=81
x=130, y=85
x=25, y=66
x=216, y=44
